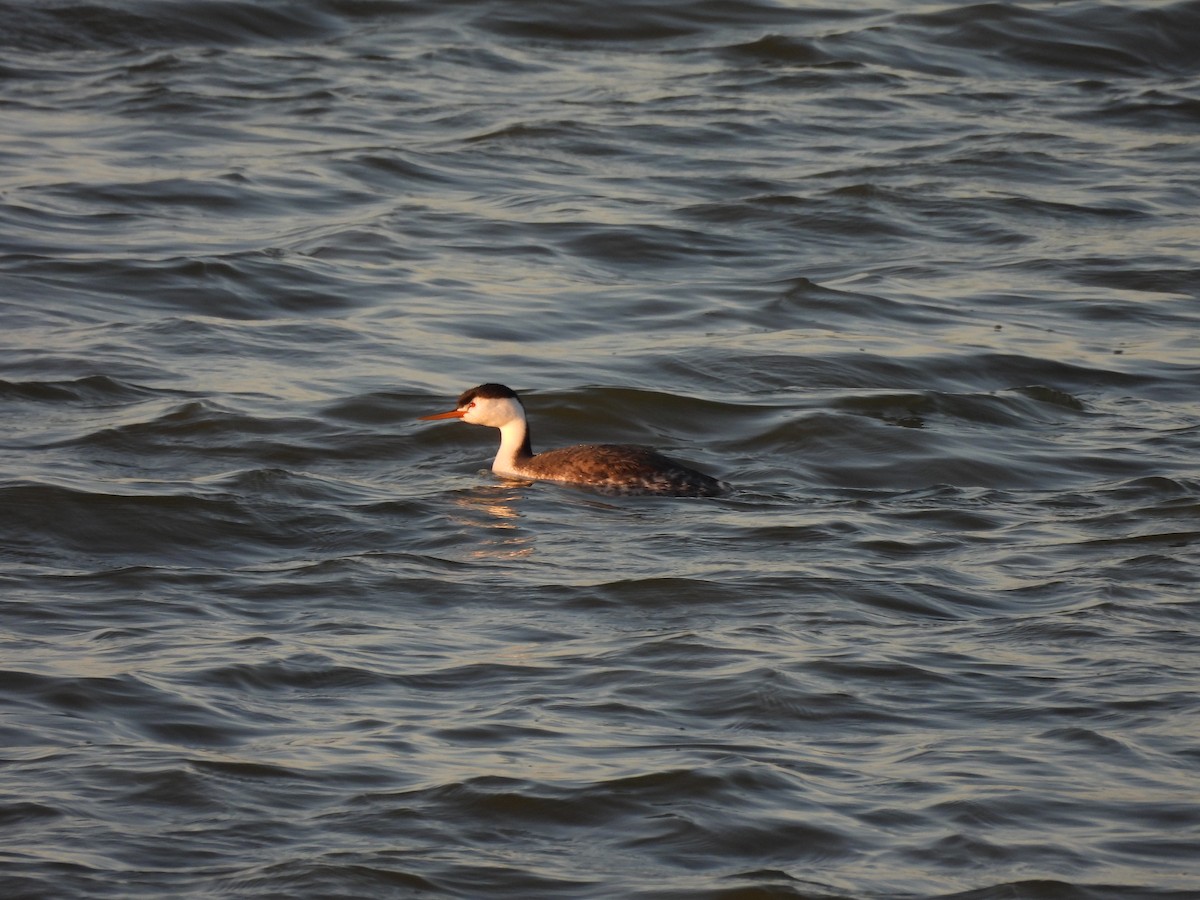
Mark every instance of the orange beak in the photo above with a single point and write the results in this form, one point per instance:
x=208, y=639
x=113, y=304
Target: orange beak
x=453, y=414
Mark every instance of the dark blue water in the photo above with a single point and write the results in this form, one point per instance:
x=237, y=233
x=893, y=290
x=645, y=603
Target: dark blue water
x=921, y=281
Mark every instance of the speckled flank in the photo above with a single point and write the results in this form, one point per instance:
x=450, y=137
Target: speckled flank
x=621, y=468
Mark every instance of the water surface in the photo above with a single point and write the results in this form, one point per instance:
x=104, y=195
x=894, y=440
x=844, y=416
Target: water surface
x=920, y=280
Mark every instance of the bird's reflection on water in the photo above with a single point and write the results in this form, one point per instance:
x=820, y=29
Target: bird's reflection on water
x=490, y=514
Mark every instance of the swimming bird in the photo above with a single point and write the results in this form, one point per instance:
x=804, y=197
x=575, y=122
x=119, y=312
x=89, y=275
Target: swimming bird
x=610, y=468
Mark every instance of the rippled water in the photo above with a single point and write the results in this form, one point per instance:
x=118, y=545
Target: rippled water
x=920, y=280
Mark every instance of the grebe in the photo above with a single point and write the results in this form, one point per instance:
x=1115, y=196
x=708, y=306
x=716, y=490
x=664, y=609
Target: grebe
x=611, y=468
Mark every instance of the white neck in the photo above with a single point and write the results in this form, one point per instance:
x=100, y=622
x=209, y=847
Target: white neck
x=508, y=415
x=512, y=450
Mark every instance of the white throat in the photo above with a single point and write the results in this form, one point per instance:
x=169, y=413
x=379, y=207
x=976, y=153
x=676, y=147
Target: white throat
x=512, y=443
x=508, y=415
